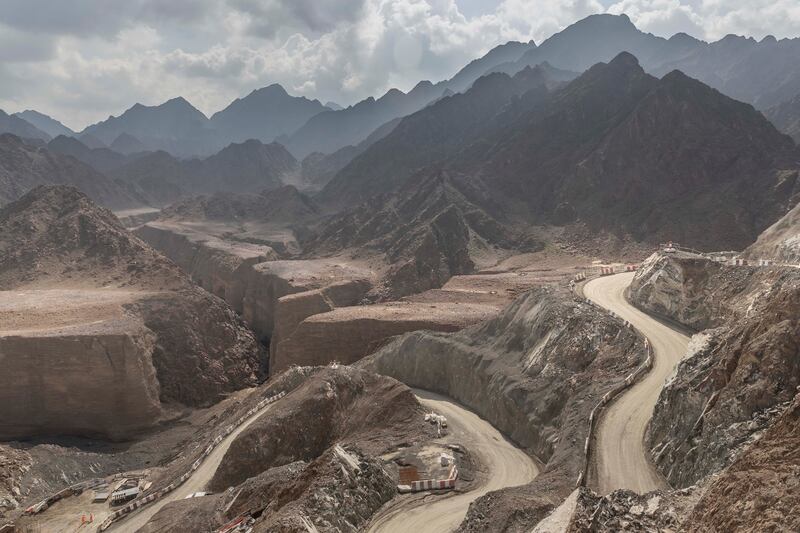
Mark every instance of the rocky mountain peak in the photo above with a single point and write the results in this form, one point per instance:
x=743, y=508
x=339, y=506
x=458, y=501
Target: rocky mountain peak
x=55, y=233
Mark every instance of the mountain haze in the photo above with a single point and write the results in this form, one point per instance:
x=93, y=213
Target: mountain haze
x=21, y=128
x=614, y=150
x=175, y=126
x=264, y=114
x=764, y=73
x=44, y=123
x=23, y=167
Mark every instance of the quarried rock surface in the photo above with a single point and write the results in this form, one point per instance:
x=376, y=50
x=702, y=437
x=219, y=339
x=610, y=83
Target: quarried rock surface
x=346, y=334
x=95, y=379
x=221, y=267
x=733, y=373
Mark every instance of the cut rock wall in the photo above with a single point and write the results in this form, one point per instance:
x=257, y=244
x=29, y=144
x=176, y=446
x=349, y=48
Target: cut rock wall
x=748, y=363
x=92, y=384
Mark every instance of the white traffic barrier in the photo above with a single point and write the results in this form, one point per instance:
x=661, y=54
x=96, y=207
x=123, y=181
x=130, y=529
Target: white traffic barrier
x=606, y=271
x=432, y=484
x=605, y=400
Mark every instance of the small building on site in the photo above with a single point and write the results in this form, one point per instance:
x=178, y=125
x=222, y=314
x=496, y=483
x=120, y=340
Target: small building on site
x=123, y=495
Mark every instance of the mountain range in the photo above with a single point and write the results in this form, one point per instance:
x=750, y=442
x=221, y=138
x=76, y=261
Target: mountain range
x=764, y=73
x=248, y=167
x=23, y=167
x=21, y=128
x=44, y=123
x=615, y=150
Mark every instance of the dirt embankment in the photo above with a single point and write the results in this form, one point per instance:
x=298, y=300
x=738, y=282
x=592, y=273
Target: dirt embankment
x=747, y=364
x=535, y=372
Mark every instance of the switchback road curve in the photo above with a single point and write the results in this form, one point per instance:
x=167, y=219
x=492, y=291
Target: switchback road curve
x=507, y=466
x=622, y=460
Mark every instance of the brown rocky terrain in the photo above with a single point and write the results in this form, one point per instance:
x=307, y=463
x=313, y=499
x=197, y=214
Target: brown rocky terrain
x=519, y=371
x=328, y=474
x=90, y=308
x=746, y=364
x=320, y=326
x=760, y=491
x=428, y=231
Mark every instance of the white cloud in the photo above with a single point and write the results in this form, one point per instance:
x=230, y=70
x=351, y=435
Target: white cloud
x=98, y=57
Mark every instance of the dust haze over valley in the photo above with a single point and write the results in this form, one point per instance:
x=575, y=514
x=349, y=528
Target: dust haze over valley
x=531, y=277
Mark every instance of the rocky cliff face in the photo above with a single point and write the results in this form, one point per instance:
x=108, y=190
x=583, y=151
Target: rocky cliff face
x=535, y=372
x=222, y=268
x=747, y=364
x=346, y=334
x=91, y=381
x=780, y=242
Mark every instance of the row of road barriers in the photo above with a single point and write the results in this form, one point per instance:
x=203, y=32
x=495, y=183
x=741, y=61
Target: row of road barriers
x=610, y=396
x=120, y=513
x=432, y=484
x=72, y=490
x=602, y=271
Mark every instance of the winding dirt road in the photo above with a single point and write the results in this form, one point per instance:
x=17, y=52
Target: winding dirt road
x=196, y=483
x=507, y=466
x=621, y=457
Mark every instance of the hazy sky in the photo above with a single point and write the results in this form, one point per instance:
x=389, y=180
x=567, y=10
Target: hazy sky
x=81, y=60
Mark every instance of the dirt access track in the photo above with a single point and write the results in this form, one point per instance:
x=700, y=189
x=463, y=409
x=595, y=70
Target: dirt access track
x=505, y=465
x=196, y=483
x=622, y=461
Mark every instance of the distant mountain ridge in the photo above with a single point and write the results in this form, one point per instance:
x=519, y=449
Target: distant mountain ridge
x=264, y=115
x=249, y=167
x=174, y=126
x=44, y=123
x=331, y=131
x=24, y=167
x=763, y=73
x=434, y=134
x=20, y=127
